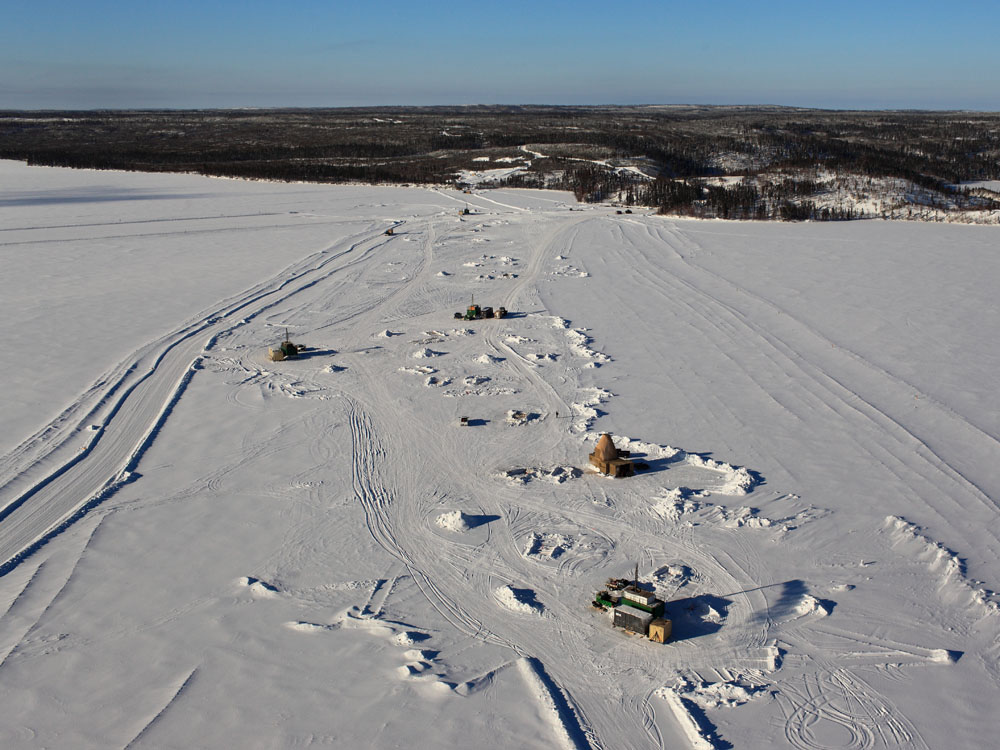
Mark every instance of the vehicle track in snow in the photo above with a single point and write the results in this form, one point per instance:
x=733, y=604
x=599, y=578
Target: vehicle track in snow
x=450, y=573
x=403, y=469
x=458, y=586
x=459, y=580
x=523, y=292
x=50, y=480
x=377, y=501
x=859, y=367
x=817, y=368
x=444, y=575
x=832, y=705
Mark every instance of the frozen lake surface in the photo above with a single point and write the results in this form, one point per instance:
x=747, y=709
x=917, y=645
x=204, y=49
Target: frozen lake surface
x=205, y=548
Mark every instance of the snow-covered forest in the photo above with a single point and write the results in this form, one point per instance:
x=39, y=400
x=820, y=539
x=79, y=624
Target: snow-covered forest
x=759, y=163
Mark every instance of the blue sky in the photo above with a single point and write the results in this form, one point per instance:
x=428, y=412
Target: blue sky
x=149, y=53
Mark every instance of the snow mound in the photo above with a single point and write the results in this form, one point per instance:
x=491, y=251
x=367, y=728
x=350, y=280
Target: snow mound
x=707, y=695
x=943, y=656
x=308, y=627
x=488, y=359
x=697, y=737
x=409, y=638
x=546, y=545
x=745, y=517
x=426, y=354
x=674, y=503
x=811, y=605
x=674, y=575
x=418, y=655
x=521, y=601
x=517, y=418
x=584, y=412
x=259, y=588
x=415, y=669
x=552, y=702
x=579, y=344
x=738, y=480
x=949, y=567
x=556, y=475
x=455, y=520
x=708, y=613
x=571, y=271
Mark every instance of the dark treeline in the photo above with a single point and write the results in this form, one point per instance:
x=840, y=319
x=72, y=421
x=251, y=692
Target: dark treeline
x=584, y=149
x=684, y=197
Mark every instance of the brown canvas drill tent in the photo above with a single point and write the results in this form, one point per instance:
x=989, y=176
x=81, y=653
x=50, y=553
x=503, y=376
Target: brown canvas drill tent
x=660, y=630
x=609, y=460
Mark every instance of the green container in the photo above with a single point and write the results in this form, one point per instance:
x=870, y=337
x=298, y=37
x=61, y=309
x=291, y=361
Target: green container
x=656, y=610
x=602, y=599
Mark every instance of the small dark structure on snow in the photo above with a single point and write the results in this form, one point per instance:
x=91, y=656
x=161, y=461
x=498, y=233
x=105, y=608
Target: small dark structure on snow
x=633, y=609
x=284, y=350
x=609, y=460
x=475, y=312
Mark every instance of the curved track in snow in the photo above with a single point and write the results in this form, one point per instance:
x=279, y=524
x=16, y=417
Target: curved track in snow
x=93, y=447
x=553, y=543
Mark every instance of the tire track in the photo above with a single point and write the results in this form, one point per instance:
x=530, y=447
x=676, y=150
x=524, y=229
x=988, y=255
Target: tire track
x=816, y=373
x=376, y=501
x=818, y=381
x=42, y=500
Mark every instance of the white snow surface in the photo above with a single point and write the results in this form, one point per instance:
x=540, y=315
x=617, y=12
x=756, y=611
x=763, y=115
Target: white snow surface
x=203, y=548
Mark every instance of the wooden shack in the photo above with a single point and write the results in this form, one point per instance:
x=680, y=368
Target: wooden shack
x=660, y=630
x=609, y=460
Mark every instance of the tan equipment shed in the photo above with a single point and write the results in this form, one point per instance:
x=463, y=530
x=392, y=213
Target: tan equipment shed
x=608, y=460
x=660, y=630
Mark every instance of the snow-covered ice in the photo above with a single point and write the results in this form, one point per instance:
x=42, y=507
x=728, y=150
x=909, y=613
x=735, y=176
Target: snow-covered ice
x=204, y=548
